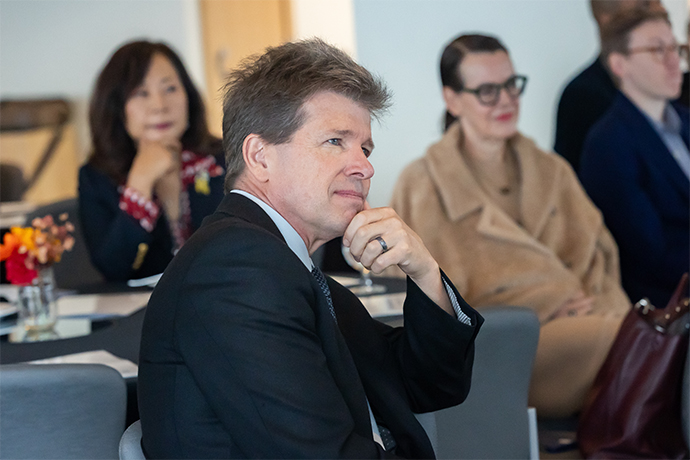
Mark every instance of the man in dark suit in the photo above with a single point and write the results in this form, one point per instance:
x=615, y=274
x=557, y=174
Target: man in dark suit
x=589, y=95
x=636, y=164
x=247, y=350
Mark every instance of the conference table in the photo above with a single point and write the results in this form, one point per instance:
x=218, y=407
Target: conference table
x=102, y=323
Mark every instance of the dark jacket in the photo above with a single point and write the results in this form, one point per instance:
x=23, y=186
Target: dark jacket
x=644, y=196
x=586, y=98
x=113, y=236
x=241, y=358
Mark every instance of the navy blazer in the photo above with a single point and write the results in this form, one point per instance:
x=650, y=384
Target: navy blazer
x=240, y=356
x=644, y=196
x=113, y=237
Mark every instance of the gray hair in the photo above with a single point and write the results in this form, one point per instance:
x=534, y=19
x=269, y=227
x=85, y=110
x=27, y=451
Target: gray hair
x=265, y=95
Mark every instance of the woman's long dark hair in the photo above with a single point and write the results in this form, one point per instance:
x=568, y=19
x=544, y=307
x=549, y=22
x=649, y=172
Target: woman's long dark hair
x=113, y=148
x=455, y=53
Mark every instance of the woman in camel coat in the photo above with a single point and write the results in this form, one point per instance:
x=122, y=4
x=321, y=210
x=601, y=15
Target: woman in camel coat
x=511, y=225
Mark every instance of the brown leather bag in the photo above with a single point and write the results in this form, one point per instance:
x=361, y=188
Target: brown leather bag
x=634, y=407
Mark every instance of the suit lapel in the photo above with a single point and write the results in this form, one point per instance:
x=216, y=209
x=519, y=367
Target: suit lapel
x=338, y=356
x=651, y=147
x=369, y=352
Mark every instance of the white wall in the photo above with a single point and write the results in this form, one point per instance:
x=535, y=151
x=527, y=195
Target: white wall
x=331, y=20
x=57, y=47
x=402, y=40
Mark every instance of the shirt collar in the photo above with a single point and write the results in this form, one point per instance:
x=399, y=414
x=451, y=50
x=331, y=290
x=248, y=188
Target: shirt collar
x=292, y=238
x=670, y=121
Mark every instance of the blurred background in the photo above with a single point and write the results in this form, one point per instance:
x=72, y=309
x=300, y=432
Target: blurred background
x=53, y=49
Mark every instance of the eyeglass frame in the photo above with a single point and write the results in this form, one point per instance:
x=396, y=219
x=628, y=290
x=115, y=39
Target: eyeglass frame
x=500, y=86
x=680, y=50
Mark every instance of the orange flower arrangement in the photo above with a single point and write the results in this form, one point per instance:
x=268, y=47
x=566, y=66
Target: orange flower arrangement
x=28, y=249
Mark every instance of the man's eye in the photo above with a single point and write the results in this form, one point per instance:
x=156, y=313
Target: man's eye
x=334, y=141
x=366, y=151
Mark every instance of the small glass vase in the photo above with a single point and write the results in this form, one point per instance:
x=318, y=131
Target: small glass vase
x=36, y=302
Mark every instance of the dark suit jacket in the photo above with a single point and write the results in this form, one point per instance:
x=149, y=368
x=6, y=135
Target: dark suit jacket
x=644, y=196
x=584, y=100
x=240, y=357
x=113, y=236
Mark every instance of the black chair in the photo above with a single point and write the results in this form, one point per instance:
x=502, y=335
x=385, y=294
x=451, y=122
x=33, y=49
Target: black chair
x=75, y=269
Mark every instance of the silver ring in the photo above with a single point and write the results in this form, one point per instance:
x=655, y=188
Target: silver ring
x=383, y=244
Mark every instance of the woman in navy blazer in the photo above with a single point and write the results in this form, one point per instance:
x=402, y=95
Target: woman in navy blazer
x=632, y=177
x=155, y=171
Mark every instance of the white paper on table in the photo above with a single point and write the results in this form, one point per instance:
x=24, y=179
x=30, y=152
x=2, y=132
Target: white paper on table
x=384, y=304
x=7, y=309
x=149, y=281
x=124, y=366
x=101, y=305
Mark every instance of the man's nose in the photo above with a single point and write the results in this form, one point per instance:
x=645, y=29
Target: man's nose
x=360, y=165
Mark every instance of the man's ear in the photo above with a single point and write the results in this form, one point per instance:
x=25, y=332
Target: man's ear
x=616, y=63
x=452, y=99
x=254, y=154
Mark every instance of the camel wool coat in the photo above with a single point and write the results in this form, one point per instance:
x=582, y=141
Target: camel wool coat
x=559, y=247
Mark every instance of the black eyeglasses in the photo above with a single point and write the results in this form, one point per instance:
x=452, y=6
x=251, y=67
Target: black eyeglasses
x=490, y=93
x=660, y=52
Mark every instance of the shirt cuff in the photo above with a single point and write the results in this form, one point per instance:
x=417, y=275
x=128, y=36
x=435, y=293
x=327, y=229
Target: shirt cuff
x=461, y=316
x=145, y=211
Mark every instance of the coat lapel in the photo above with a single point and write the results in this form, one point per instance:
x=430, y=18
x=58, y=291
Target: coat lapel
x=461, y=194
x=650, y=144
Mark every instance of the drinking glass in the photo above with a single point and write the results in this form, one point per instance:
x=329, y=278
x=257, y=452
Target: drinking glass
x=366, y=285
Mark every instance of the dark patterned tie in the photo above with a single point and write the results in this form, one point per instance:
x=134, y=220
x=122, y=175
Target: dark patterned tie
x=321, y=279
x=386, y=436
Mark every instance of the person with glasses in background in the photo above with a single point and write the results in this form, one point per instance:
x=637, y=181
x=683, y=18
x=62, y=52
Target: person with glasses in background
x=511, y=225
x=589, y=95
x=635, y=163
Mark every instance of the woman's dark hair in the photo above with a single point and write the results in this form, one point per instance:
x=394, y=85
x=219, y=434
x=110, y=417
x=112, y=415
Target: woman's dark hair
x=455, y=53
x=113, y=148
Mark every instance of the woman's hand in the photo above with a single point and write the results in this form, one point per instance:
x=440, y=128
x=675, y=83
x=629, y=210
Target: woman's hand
x=579, y=304
x=153, y=161
x=373, y=228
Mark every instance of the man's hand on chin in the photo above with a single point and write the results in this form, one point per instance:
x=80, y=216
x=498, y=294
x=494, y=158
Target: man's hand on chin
x=378, y=238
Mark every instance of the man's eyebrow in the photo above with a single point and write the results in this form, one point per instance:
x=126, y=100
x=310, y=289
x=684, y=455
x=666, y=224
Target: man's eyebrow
x=343, y=132
x=346, y=132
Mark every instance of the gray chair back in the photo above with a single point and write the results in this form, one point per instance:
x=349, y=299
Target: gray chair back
x=66, y=411
x=493, y=421
x=75, y=269
x=130, y=443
